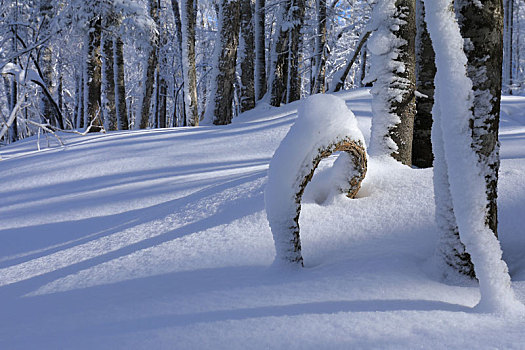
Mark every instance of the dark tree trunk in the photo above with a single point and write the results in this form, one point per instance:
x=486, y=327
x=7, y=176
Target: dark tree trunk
x=279, y=69
x=320, y=46
x=46, y=62
x=178, y=35
x=247, y=56
x=402, y=133
x=149, y=79
x=425, y=72
x=260, y=49
x=482, y=28
x=120, y=86
x=294, y=52
x=93, y=78
x=228, y=37
x=188, y=20
x=108, y=55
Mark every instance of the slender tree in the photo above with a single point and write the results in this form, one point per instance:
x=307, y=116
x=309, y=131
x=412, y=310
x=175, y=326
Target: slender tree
x=220, y=104
x=293, y=87
x=279, y=55
x=108, y=61
x=318, y=85
x=247, y=56
x=94, y=71
x=260, y=49
x=425, y=72
x=151, y=67
x=188, y=21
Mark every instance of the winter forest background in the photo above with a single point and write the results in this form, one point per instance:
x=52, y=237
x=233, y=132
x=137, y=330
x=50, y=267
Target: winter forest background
x=133, y=57
x=214, y=174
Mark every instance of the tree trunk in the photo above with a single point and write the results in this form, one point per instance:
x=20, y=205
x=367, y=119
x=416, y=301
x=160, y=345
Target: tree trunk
x=362, y=68
x=93, y=78
x=260, y=49
x=188, y=22
x=246, y=56
x=46, y=62
x=508, y=45
x=425, y=72
x=394, y=104
x=120, y=86
x=482, y=29
x=279, y=56
x=178, y=35
x=320, y=45
x=294, y=53
x=149, y=78
x=219, y=108
x=108, y=55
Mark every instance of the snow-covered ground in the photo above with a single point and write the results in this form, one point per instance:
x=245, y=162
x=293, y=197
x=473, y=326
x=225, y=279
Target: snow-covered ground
x=158, y=239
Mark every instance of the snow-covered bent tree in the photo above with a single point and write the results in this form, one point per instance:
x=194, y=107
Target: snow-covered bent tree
x=324, y=125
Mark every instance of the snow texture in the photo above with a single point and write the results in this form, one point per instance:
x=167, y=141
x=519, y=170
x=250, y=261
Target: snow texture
x=158, y=239
x=323, y=120
x=467, y=187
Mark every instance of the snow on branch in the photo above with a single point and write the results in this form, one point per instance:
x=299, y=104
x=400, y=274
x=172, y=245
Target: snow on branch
x=324, y=125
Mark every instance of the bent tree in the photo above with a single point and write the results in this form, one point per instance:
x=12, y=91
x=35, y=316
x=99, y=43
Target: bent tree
x=325, y=125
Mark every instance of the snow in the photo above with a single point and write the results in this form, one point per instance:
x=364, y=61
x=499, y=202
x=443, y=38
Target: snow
x=467, y=187
x=158, y=239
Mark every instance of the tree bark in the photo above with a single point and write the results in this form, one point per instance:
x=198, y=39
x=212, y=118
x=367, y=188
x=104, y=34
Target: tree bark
x=294, y=52
x=94, y=73
x=149, y=78
x=188, y=22
x=260, y=49
x=220, y=104
x=46, y=62
x=402, y=134
x=482, y=29
x=279, y=56
x=320, y=45
x=108, y=55
x=394, y=87
x=247, y=56
x=425, y=72
x=120, y=85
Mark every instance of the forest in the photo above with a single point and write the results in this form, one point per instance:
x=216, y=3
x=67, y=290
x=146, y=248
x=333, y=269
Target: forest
x=262, y=174
x=126, y=64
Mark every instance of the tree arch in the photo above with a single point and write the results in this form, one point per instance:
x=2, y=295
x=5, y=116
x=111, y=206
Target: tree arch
x=325, y=125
